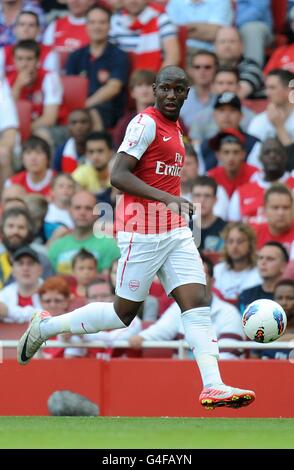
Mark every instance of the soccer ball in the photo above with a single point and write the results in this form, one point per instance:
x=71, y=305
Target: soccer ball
x=264, y=321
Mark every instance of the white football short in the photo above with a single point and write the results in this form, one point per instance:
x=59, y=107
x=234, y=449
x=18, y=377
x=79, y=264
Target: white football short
x=172, y=256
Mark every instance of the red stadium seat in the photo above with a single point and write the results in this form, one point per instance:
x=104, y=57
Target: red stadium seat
x=11, y=331
x=24, y=111
x=75, y=89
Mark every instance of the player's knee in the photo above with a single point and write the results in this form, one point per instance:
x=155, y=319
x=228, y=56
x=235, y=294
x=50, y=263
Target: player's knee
x=127, y=317
x=126, y=310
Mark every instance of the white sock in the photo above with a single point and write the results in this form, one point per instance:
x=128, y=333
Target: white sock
x=201, y=338
x=91, y=318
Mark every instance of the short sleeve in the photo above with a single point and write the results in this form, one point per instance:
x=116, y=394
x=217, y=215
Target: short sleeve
x=9, y=118
x=49, y=34
x=52, y=89
x=139, y=135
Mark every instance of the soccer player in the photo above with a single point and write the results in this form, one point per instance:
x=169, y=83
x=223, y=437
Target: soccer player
x=147, y=171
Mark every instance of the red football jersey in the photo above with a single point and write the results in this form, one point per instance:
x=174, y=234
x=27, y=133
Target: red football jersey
x=41, y=90
x=69, y=35
x=251, y=197
x=264, y=235
x=23, y=179
x=244, y=175
x=158, y=145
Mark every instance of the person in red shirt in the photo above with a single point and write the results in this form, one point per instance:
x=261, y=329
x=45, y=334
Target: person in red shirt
x=41, y=88
x=283, y=56
x=37, y=176
x=233, y=172
x=247, y=201
x=279, y=225
x=68, y=33
x=28, y=27
x=147, y=170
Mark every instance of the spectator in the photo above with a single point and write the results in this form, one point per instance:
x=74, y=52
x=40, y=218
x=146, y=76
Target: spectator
x=289, y=271
x=99, y=290
x=237, y=271
x=247, y=201
x=279, y=225
x=9, y=124
x=94, y=174
x=13, y=194
x=28, y=27
x=106, y=67
x=254, y=22
x=63, y=250
x=68, y=33
x=232, y=171
x=189, y=174
x=204, y=126
x=202, y=71
x=145, y=31
x=54, y=295
x=227, y=115
x=69, y=155
x=229, y=50
x=284, y=295
x=272, y=259
x=204, y=192
x=19, y=300
x=38, y=206
x=278, y=119
x=141, y=91
x=9, y=11
x=202, y=19
x=37, y=176
x=63, y=189
x=43, y=89
x=17, y=230
x=84, y=269
x=225, y=319
x=189, y=171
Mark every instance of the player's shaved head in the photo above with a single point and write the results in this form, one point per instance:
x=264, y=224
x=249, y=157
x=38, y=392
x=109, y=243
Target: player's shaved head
x=171, y=72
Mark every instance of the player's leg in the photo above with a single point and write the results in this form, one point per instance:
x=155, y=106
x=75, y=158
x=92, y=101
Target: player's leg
x=183, y=277
x=136, y=269
x=90, y=318
x=199, y=334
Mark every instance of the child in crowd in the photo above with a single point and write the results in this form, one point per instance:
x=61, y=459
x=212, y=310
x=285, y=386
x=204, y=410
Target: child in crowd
x=84, y=268
x=37, y=175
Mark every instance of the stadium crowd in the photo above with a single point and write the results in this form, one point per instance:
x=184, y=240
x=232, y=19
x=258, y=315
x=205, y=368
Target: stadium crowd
x=73, y=74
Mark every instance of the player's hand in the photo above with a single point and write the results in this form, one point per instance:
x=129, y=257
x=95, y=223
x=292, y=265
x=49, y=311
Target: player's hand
x=180, y=205
x=136, y=342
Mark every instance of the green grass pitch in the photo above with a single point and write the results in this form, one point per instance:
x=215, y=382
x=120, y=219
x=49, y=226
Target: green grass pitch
x=152, y=433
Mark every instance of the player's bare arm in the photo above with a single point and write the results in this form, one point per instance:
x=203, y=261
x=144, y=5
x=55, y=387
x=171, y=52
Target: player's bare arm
x=122, y=178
